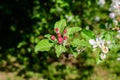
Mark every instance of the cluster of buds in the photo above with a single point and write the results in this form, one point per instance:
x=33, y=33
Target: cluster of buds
x=102, y=44
x=60, y=37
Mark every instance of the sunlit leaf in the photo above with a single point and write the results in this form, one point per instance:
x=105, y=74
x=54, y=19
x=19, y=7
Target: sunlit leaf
x=47, y=36
x=43, y=45
x=77, y=42
x=60, y=25
x=87, y=34
x=21, y=44
x=72, y=30
x=59, y=49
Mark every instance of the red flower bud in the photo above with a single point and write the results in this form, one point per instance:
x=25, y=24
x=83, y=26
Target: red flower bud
x=65, y=31
x=56, y=30
x=60, y=40
x=59, y=35
x=65, y=38
x=52, y=37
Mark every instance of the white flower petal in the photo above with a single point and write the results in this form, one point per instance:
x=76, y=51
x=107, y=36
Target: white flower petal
x=112, y=15
x=102, y=56
x=99, y=42
x=105, y=49
x=108, y=42
x=118, y=36
x=101, y=2
x=118, y=31
x=92, y=42
x=118, y=59
x=94, y=46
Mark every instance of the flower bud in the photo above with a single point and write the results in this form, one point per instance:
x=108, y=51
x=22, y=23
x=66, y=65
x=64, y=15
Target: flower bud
x=52, y=37
x=60, y=40
x=56, y=30
x=65, y=31
x=65, y=38
x=59, y=35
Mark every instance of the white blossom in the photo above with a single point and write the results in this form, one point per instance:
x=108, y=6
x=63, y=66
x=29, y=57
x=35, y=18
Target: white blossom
x=118, y=31
x=102, y=56
x=115, y=22
x=115, y=7
x=104, y=49
x=102, y=44
x=112, y=15
x=118, y=59
x=96, y=43
x=118, y=36
x=97, y=18
x=101, y=3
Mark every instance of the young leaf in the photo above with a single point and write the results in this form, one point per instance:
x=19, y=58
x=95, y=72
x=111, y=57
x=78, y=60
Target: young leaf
x=74, y=52
x=43, y=45
x=59, y=49
x=77, y=42
x=98, y=61
x=87, y=34
x=21, y=44
x=60, y=25
x=72, y=30
x=108, y=36
x=47, y=36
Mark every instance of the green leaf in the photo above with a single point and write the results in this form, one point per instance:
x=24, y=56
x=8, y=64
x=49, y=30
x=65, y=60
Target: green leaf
x=47, y=36
x=64, y=5
x=71, y=31
x=108, y=36
x=98, y=61
x=87, y=34
x=43, y=45
x=60, y=25
x=21, y=44
x=59, y=49
x=77, y=42
x=75, y=54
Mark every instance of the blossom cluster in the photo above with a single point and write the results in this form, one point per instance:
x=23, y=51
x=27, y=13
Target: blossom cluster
x=61, y=38
x=115, y=7
x=102, y=44
x=114, y=11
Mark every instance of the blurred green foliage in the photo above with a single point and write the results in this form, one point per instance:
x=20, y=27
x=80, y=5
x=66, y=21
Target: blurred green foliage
x=23, y=23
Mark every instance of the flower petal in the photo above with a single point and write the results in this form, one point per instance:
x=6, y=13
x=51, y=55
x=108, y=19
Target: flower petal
x=105, y=49
x=94, y=46
x=102, y=56
x=92, y=42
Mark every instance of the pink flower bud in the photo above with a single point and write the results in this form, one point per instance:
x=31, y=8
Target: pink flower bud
x=56, y=30
x=60, y=40
x=65, y=31
x=52, y=37
x=65, y=38
x=59, y=35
